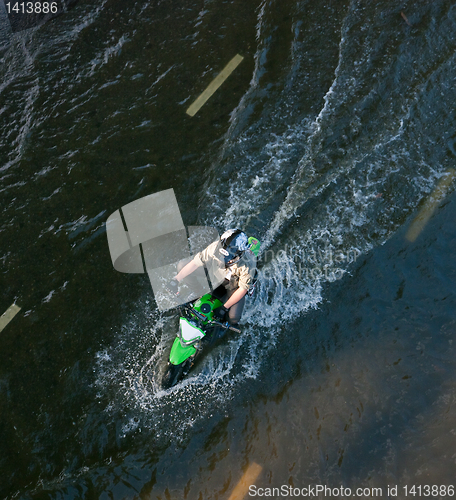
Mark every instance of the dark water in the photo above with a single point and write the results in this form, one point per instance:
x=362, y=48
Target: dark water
x=325, y=142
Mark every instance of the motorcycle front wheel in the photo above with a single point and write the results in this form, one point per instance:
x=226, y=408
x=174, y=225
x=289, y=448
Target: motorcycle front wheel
x=175, y=373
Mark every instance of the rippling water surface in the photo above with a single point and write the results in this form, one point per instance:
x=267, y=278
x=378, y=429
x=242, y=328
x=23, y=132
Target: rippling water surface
x=325, y=143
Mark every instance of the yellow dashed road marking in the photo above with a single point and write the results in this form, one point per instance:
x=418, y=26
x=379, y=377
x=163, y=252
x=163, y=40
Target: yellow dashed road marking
x=247, y=479
x=430, y=205
x=8, y=315
x=214, y=85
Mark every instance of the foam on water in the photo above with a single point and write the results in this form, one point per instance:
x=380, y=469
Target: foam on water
x=129, y=372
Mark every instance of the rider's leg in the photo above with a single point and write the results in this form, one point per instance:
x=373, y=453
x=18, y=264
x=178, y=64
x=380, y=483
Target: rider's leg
x=235, y=311
x=220, y=293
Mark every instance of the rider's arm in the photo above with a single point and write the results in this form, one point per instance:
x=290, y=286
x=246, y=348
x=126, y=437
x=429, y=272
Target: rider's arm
x=235, y=298
x=186, y=270
x=199, y=259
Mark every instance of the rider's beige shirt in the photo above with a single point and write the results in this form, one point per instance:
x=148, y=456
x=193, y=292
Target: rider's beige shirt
x=244, y=269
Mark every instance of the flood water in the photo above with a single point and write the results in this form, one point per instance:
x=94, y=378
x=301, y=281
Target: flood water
x=325, y=143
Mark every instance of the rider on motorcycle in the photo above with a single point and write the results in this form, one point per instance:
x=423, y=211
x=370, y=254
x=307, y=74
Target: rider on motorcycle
x=233, y=265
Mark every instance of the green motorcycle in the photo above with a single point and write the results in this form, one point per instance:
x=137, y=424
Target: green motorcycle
x=197, y=330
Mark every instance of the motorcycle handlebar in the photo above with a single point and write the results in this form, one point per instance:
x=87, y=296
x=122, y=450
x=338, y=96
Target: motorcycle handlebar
x=225, y=326
x=203, y=318
x=197, y=314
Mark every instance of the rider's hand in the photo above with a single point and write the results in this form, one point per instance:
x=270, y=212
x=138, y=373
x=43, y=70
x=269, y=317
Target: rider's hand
x=219, y=313
x=173, y=286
